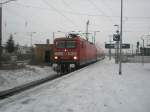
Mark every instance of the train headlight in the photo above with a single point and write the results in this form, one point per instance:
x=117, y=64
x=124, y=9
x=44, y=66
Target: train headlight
x=56, y=57
x=75, y=58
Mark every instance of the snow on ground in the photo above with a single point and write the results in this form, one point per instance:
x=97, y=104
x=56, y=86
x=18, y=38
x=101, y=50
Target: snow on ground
x=13, y=78
x=96, y=88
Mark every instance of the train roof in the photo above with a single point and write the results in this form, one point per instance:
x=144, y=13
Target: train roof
x=72, y=37
x=65, y=38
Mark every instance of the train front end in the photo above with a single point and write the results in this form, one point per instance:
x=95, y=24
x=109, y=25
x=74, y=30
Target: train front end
x=65, y=54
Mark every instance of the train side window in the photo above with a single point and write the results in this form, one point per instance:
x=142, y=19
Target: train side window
x=82, y=44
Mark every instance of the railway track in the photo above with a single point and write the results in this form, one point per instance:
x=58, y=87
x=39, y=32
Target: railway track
x=13, y=91
x=10, y=92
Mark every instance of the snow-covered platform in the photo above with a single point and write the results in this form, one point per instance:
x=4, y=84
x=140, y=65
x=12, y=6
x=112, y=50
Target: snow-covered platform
x=12, y=78
x=96, y=88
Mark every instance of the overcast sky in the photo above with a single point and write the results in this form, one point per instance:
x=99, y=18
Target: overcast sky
x=47, y=16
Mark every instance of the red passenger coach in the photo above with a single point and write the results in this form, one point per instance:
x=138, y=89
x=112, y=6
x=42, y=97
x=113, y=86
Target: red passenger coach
x=72, y=52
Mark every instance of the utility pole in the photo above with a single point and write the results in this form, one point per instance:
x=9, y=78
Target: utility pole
x=132, y=49
x=110, y=48
x=110, y=51
x=31, y=37
x=53, y=36
x=143, y=52
x=87, y=32
x=121, y=19
x=31, y=40
x=117, y=51
x=0, y=32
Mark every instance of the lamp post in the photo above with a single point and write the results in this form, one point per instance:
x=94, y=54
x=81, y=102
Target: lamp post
x=120, y=59
x=117, y=26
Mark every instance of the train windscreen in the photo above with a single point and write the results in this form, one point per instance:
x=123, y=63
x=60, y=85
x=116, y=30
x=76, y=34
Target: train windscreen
x=65, y=44
x=60, y=44
x=70, y=44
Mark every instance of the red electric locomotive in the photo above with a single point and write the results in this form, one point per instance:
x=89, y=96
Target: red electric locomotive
x=72, y=52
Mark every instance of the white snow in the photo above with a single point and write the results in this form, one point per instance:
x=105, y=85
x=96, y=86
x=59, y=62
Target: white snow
x=96, y=88
x=13, y=78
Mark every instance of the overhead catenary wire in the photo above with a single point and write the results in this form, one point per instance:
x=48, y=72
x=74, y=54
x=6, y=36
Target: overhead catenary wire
x=92, y=3
x=81, y=13
x=5, y=2
x=27, y=20
x=62, y=11
x=30, y=6
x=66, y=4
x=72, y=10
x=106, y=5
x=59, y=12
x=24, y=18
x=130, y=18
x=41, y=9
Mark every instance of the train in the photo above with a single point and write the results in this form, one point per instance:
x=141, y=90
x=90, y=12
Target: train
x=73, y=52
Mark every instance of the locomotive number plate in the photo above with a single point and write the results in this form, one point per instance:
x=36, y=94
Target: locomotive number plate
x=58, y=53
x=72, y=53
x=65, y=53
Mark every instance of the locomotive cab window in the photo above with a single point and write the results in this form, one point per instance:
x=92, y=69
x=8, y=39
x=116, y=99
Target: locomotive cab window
x=70, y=44
x=60, y=44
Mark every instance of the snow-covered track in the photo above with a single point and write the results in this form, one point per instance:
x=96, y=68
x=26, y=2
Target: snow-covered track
x=10, y=92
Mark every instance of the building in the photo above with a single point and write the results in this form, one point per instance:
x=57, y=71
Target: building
x=43, y=53
x=23, y=50
x=145, y=51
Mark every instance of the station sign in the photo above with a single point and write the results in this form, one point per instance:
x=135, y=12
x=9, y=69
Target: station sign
x=116, y=37
x=108, y=46
x=126, y=46
x=114, y=46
